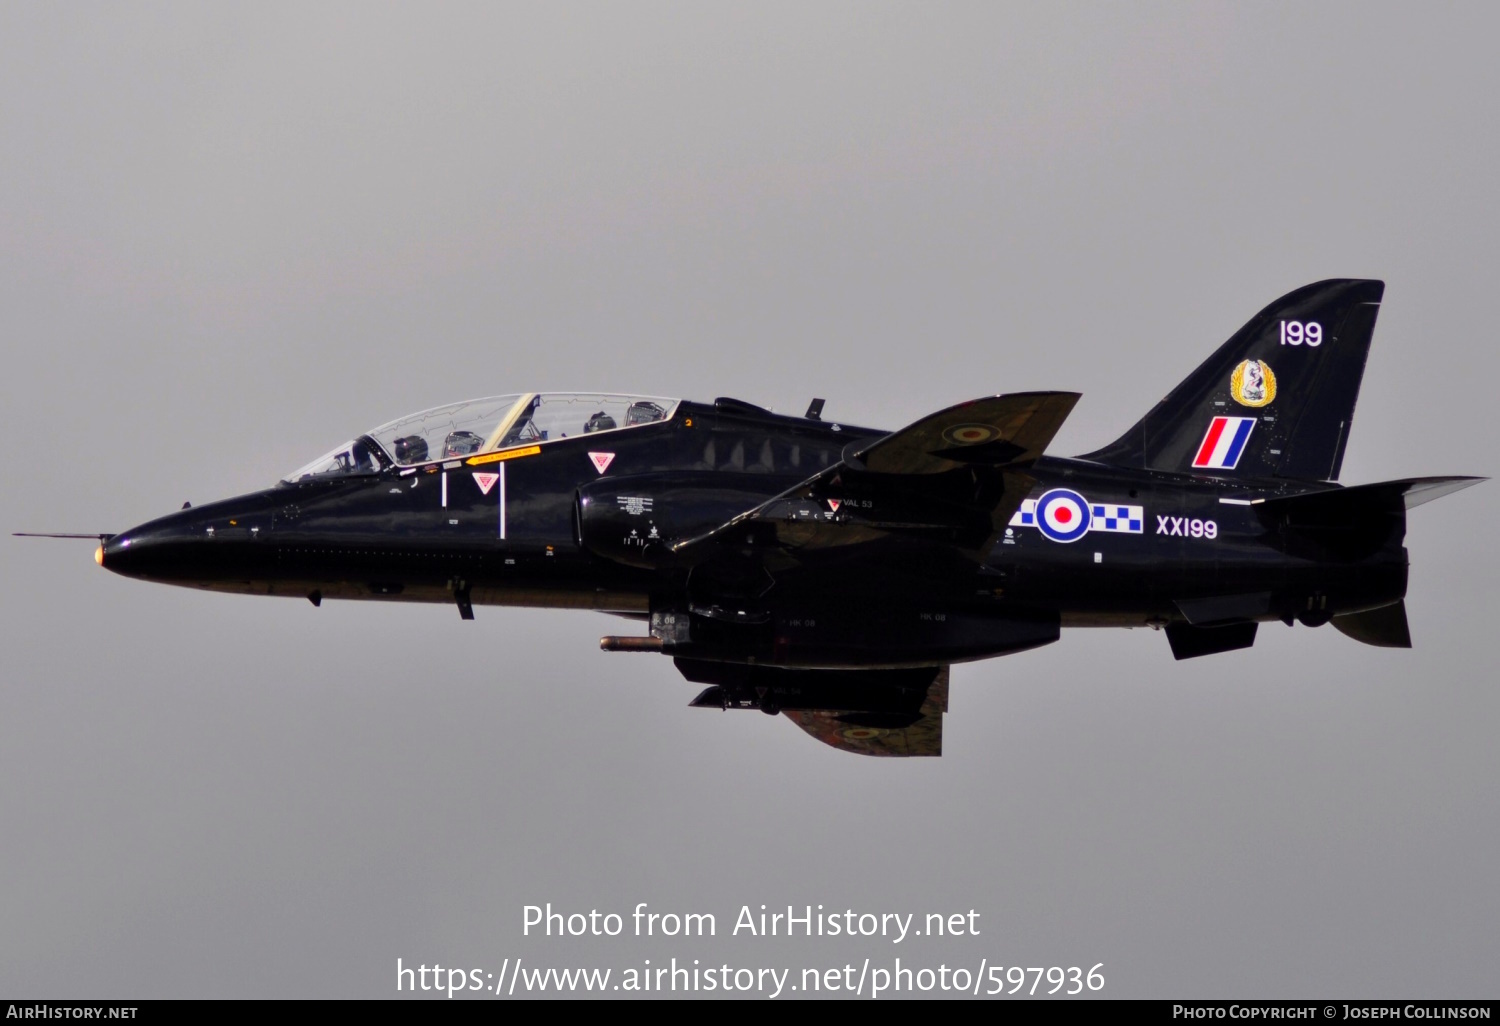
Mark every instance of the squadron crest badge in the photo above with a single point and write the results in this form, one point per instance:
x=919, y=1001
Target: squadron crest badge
x=1252, y=383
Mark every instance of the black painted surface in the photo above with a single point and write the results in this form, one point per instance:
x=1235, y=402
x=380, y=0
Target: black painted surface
x=854, y=565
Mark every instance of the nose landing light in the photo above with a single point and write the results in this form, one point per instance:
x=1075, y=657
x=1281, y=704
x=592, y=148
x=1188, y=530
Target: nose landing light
x=99, y=555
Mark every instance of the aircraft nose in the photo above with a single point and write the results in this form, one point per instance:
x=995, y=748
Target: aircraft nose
x=196, y=544
x=151, y=550
x=115, y=553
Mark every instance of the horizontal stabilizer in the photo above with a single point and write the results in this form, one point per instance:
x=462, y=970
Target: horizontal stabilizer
x=1425, y=489
x=1384, y=627
x=1188, y=641
x=1349, y=523
x=1403, y=493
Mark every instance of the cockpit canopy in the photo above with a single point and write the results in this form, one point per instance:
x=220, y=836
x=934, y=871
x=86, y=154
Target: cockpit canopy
x=485, y=425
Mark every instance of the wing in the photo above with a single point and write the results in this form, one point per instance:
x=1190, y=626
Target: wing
x=923, y=736
x=951, y=479
x=996, y=431
x=868, y=712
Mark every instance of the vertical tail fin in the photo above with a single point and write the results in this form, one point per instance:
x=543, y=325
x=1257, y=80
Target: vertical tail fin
x=1277, y=399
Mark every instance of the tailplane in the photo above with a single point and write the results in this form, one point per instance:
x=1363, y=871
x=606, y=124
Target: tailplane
x=1384, y=627
x=1276, y=400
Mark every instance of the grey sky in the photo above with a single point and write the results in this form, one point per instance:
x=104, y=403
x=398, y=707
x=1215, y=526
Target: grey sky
x=233, y=235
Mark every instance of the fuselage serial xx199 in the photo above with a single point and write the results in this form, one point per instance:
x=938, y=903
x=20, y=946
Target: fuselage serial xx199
x=833, y=573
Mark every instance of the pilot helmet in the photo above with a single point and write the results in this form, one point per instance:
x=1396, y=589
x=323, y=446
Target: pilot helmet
x=410, y=449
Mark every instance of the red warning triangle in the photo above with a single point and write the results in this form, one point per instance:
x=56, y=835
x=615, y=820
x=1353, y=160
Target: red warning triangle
x=485, y=481
x=602, y=460
x=834, y=504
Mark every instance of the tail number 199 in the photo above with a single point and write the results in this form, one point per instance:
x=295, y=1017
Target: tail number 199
x=1296, y=333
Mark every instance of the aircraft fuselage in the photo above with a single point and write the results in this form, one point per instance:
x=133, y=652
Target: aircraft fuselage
x=588, y=522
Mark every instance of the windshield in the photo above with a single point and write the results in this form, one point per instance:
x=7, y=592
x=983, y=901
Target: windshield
x=483, y=425
x=356, y=457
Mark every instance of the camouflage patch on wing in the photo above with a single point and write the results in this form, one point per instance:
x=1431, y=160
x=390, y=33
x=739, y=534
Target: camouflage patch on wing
x=877, y=734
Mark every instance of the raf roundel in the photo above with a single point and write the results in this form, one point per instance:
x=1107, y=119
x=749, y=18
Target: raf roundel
x=1062, y=515
x=970, y=434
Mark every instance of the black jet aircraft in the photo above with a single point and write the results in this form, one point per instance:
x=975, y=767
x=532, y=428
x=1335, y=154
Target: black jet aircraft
x=833, y=573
